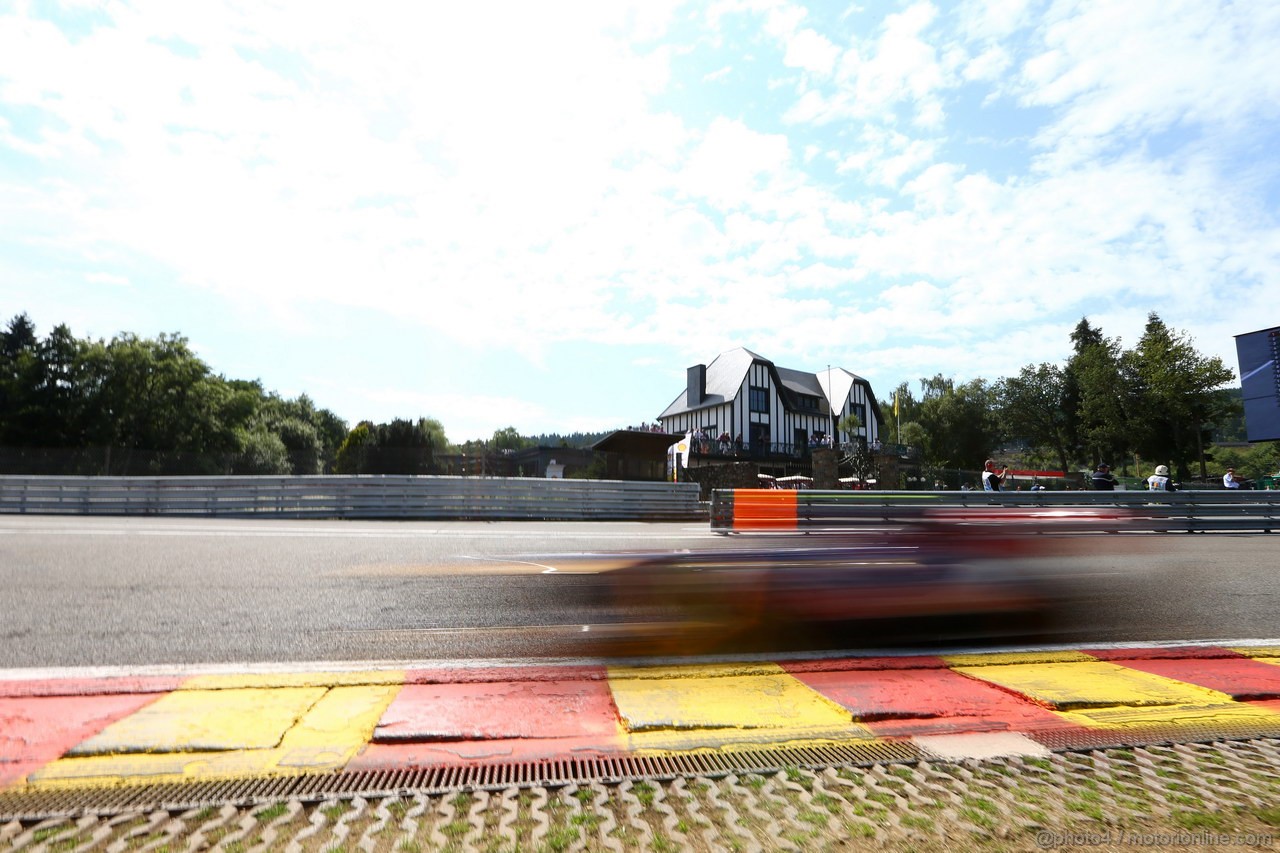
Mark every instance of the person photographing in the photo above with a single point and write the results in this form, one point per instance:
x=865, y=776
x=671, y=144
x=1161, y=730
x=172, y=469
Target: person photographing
x=991, y=478
x=1103, y=480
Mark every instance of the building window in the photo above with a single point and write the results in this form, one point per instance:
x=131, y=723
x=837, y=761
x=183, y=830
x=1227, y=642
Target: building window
x=758, y=400
x=807, y=402
x=860, y=410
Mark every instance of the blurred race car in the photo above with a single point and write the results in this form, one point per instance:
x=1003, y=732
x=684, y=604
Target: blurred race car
x=974, y=569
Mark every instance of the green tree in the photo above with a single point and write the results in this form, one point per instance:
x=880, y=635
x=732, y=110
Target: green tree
x=18, y=360
x=1034, y=406
x=508, y=438
x=960, y=422
x=398, y=447
x=850, y=424
x=262, y=452
x=1176, y=396
x=350, y=458
x=1102, y=398
x=908, y=411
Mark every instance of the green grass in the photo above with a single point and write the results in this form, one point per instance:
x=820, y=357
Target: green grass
x=455, y=828
x=48, y=832
x=978, y=818
x=1087, y=808
x=815, y=818
x=828, y=802
x=1032, y=814
x=335, y=811
x=644, y=792
x=560, y=838
x=271, y=812
x=65, y=844
x=1199, y=820
x=874, y=812
x=981, y=803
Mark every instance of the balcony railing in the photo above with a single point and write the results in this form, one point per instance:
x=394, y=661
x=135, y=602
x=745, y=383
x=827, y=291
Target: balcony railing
x=723, y=450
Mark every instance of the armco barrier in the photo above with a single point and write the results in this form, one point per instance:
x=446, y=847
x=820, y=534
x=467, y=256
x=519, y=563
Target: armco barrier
x=365, y=496
x=809, y=510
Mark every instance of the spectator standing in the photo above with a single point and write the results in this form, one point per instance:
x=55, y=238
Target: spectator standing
x=991, y=478
x=1159, y=481
x=1103, y=480
x=1229, y=480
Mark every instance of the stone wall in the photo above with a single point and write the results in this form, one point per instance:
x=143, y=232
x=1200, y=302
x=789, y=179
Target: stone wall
x=826, y=468
x=735, y=475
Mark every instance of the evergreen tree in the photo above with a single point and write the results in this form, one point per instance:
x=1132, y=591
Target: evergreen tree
x=1093, y=378
x=1176, y=396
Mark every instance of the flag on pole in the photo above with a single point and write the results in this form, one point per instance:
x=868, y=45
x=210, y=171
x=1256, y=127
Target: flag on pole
x=679, y=453
x=895, y=404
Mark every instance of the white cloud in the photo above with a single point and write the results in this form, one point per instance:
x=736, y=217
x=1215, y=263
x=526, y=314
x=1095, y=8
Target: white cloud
x=781, y=175
x=812, y=52
x=1149, y=66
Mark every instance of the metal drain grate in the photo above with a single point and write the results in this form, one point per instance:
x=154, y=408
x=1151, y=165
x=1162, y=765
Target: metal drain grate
x=1077, y=739
x=34, y=804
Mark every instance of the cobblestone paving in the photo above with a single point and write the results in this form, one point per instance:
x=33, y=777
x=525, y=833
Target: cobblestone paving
x=1190, y=796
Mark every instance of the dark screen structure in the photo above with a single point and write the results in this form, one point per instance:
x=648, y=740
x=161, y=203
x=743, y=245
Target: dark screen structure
x=1259, y=356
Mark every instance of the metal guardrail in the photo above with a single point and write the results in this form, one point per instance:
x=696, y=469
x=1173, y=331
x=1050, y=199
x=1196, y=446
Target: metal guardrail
x=363, y=496
x=806, y=509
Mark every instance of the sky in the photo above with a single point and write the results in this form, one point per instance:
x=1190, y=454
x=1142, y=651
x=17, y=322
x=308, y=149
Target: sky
x=540, y=215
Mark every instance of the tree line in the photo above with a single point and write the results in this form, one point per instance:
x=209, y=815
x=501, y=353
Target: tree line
x=1159, y=402
x=133, y=405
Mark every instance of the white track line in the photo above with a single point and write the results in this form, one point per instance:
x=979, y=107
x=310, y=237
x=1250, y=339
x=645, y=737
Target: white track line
x=261, y=668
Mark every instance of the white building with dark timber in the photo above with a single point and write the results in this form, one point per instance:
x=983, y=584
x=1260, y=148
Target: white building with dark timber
x=770, y=411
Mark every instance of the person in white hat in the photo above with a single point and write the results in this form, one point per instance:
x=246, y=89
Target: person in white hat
x=1159, y=481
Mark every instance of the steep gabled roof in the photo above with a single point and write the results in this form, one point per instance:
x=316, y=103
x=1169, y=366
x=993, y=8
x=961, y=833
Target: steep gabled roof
x=842, y=382
x=724, y=378
x=726, y=372
x=799, y=382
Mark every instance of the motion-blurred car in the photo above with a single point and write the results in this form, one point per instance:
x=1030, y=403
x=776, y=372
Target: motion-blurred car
x=972, y=572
